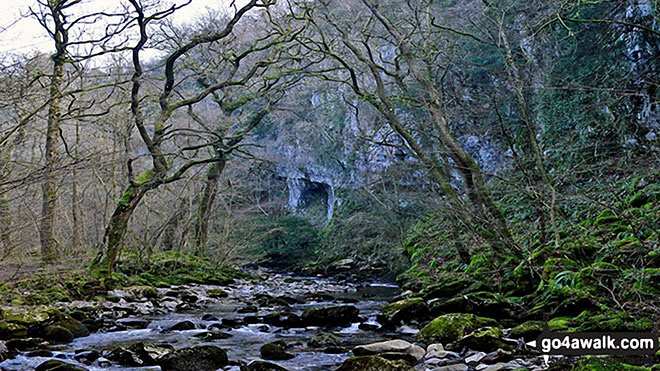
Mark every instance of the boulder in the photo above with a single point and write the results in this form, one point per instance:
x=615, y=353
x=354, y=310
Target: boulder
x=275, y=352
x=528, y=330
x=341, y=315
x=392, y=349
x=182, y=326
x=405, y=311
x=283, y=319
x=217, y=293
x=323, y=340
x=374, y=363
x=58, y=334
x=485, y=339
x=452, y=327
x=141, y=293
x=198, y=358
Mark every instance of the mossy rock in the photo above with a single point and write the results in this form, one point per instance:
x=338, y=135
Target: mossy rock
x=404, y=311
x=340, y=315
x=561, y=324
x=11, y=330
x=217, y=293
x=451, y=327
x=619, y=321
x=374, y=363
x=485, y=339
x=554, y=266
x=649, y=281
x=143, y=292
x=445, y=287
x=528, y=330
x=58, y=334
x=604, y=364
x=481, y=303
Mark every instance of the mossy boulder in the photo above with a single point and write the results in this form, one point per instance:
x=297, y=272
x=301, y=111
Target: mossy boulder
x=528, y=330
x=485, y=339
x=340, y=315
x=452, y=327
x=58, y=334
x=11, y=330
x=481, y=303
x=404, y=311
x=142, y=292
x=561, y=324
x=325, y=339
x=374, y=363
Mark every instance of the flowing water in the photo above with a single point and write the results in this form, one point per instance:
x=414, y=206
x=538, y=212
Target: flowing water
x=246, y=340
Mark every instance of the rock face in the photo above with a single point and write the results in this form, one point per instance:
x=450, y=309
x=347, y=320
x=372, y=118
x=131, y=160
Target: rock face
x=373, y=363
x=199, y=358
x=341, y=315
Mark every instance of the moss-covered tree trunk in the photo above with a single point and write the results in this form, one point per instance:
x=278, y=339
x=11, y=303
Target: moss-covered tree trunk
x=206, y=203
x=116, y=229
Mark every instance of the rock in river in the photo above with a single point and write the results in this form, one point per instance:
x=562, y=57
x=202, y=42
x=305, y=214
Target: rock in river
x=198, y=358
x=341, y=315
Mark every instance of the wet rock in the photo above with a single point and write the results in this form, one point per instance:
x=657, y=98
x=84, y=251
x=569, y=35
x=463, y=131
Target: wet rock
x=87, y=356
x=335, y=350
x=212, y=335
x=209, y=317
x=373, y=363
x=182, y=326
x=323, y=340
x=58, y=334
x=23, y=345
x=404, y=312
x=248, y=309
x=497, y=356
x=368, y=327
x=251, y=320
x=232, y=322
x=342, y=315
x=282, y=319
x=57, y=365
x=40, y=353
x=134, y=323
x=139, y=354
x=275, y=352
x=392, y=349
x=217, y=293
x=475, y=357
x=451, y=327
x=277, y=302
x=262, y=366
x=198, y=358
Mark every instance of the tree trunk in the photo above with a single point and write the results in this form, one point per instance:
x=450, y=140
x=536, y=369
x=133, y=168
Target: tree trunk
x=114, y=233
x=205, y=204
x=49, y=186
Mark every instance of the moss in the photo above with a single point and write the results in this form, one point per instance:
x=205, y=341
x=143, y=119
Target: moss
x=528, y=330
x=217, y=293
x=451, y=327
x=560, y=324
x=11, y=330
x=554, y=266
x=638, y=199
x=485, y=339
x=605, y=217
x=373, y=363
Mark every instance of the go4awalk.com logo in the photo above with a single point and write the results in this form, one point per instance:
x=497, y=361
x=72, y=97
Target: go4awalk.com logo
x=595, y=343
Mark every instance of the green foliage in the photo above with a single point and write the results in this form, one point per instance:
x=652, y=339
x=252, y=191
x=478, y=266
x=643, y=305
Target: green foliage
x=286, y=241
